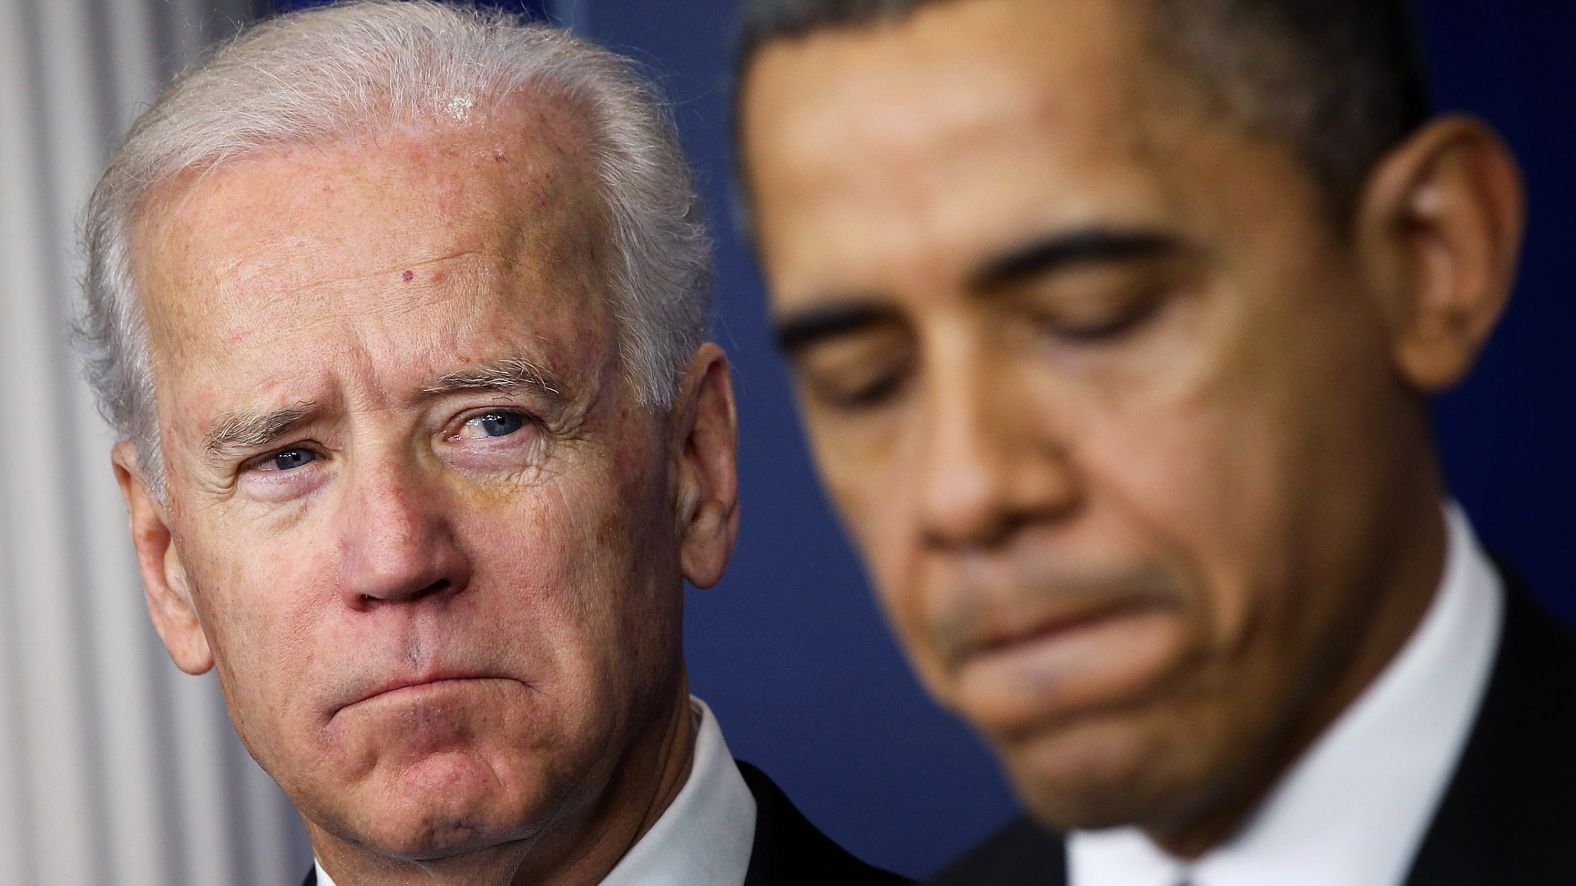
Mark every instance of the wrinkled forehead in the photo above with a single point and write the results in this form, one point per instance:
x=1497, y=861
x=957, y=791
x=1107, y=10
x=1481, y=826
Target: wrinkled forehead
x=515, y=183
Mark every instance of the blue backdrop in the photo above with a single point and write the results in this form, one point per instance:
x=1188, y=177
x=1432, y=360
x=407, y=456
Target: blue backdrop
x=790, y=651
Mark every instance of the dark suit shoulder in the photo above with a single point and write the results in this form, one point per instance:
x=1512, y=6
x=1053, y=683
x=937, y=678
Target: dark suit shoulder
x=1509, y=811
x=1021, y=852
x=788, y=849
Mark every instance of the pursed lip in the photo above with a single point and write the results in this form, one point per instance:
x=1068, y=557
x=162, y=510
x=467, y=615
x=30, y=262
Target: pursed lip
x=1068, y=622
x=405, y=682
x=1016, y=678
x=999, y=632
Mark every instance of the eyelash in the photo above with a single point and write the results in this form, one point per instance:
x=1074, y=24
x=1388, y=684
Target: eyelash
x=1129, y=318
x=261, y=461
x=527, y=420
x=869, y=397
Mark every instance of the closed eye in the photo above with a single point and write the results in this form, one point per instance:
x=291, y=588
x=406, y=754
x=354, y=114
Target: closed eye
x=857, y=372
x=864, y=394
x=1103, y=326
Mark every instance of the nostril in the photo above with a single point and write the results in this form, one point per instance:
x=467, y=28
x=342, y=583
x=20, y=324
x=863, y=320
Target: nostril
x=436, y=587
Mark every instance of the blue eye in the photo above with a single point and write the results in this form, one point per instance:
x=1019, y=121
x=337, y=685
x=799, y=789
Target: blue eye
x=291, y=459
x=497, y=424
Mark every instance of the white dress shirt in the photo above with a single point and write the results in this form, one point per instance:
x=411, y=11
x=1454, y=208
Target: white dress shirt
x=705, y=835
x=1354, y=808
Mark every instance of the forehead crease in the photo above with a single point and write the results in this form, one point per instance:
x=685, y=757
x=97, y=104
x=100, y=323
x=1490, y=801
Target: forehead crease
x=529, y=156
x=536, y=209
x=382, y=287
x=498, y=227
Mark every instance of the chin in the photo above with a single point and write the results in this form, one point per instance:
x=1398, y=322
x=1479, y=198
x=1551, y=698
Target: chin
x=415, y=834
x=1094, y=776
x=440, y=811
x=436, y=838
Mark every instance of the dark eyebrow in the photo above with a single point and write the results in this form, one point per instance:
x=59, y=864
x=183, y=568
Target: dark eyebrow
x=1086, y=246
x=839, y=316
x=506, y=375
x=250, y=429
x=830, y=319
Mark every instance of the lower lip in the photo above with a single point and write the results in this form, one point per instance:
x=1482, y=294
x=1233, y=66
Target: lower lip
x=1050, y=677
x=416, y=691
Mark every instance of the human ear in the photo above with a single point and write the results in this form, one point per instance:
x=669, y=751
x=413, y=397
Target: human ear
x=1439, y=229
x=705, y=447
x=164, y=582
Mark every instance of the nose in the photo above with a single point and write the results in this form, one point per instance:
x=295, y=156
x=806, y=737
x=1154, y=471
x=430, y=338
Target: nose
x=992, y=460
x=397, y=540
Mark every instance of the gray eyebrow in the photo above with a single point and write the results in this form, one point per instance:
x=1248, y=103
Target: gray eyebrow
x=249, y=428
x=509, y=374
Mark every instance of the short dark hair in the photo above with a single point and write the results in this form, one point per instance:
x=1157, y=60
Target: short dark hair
x=1340, y=81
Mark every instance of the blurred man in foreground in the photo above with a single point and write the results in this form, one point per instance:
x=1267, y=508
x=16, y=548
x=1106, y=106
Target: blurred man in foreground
x=400, y=314
x=1114, y=324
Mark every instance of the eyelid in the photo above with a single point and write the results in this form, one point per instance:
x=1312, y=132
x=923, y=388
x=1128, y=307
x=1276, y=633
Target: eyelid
x=1123, y=316
x=873, y=392
x=458, y=423
x=255, y=462
x=872, y=396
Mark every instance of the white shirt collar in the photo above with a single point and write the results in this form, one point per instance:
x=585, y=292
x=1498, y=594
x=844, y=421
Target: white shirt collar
x=705, y=835
x=1354, y=809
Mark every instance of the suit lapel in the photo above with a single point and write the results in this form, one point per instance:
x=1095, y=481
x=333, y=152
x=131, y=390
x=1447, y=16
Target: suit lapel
x=790, y=851
x=1509, y=812
x=1021, y=852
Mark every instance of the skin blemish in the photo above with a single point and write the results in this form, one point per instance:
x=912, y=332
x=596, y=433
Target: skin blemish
x=408, y=276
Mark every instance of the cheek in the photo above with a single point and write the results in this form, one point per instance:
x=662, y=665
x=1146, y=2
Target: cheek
x=878, y=503
x=588, y=565
x=256, y=612
x=1232, y=477
x=256, y=600
x=875, y=523
x=869, y=478
x=1194, y=472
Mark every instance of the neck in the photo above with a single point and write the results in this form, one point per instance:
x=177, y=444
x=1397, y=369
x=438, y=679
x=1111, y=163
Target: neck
x=578, y=847
x=1403, y=587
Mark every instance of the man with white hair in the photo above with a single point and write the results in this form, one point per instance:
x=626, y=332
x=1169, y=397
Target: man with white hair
x=399, y=312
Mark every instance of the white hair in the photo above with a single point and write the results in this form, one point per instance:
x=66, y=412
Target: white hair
x=371, y=66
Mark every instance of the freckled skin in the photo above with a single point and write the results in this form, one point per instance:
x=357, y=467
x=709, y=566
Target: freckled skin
x=544, y=566
x=1251, y=463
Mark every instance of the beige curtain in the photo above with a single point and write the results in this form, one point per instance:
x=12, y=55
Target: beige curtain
x=115, y=768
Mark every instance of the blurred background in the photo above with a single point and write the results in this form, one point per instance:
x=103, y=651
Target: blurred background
x=117, y=769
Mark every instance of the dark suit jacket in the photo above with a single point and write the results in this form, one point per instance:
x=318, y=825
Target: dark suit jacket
x=788, y=849
x=1507, y=817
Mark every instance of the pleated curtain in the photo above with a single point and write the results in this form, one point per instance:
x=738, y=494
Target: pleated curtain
x=115, y=768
